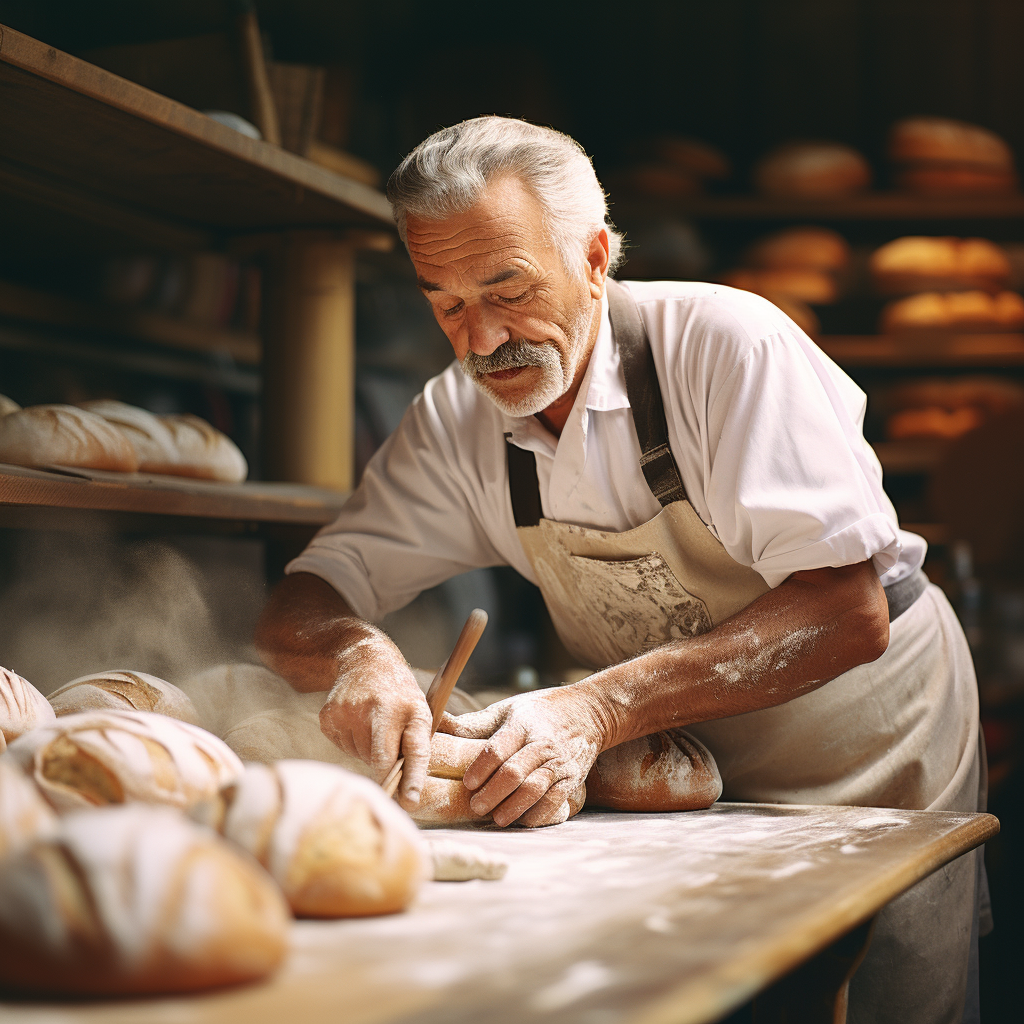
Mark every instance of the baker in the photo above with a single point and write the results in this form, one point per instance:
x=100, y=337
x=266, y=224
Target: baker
x=683, y=473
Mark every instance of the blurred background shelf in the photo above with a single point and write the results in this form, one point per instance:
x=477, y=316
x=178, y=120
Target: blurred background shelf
x=946, y=350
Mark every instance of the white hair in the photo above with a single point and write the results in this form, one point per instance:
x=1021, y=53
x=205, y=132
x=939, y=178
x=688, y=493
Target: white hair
x=446, y=173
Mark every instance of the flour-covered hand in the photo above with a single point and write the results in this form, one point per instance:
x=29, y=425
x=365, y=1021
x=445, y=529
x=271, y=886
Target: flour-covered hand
x=541, y=747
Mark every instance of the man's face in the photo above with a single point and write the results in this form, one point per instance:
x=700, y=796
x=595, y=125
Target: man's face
x=518, y=321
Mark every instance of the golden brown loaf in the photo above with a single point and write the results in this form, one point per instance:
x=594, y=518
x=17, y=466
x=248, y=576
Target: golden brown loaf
x=64, y=435
x=22, y=707
x=943, y=424
x=203, y=451
x=944, y=140
x=24, y=814
x=133, y=900
x=693, y=156
x=153, y=442
x=953, y=179
x=812, y=170
x=112, y=757
x=805, y=285
x=334, y=841
x=954, y=311
x=8, y=405
x=801, y=248
x=916, y=263
x=123, y=690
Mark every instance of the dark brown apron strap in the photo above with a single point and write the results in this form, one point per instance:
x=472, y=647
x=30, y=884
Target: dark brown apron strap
x=648, y=408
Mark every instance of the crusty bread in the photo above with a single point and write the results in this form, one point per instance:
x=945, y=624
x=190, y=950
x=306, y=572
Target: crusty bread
x=917, y=263
x=22, y=707
x=669, y=771
x=112, y=757
x=812, y=170
x=24, y=814
x=123, y=690
x=133, y=900
x=64, y=435
x=954, y=311
x=203, y=451
x=943, y=424
x=692, y=156
x=334, y=842
x=954, y=179
x=943, y=140
x=8, y=405
x=803, y=284
x=152, y=440
x=800, y=248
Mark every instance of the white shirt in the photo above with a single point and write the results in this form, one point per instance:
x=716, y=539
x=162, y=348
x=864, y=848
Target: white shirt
x=765, y=428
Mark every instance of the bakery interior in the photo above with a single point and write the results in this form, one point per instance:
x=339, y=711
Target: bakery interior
x=748, y=142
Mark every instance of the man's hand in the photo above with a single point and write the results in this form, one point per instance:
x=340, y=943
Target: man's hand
x=541, y=748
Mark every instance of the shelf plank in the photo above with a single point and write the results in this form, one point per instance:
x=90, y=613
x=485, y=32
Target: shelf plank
x=938, y=350
x=90, y=133
x=98, y=491
x=868, y=206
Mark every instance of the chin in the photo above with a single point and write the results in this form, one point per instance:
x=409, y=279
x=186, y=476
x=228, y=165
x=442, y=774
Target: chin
x=523, y=401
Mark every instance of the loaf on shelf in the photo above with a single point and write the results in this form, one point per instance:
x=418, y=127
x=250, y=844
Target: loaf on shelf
x=670, y=167
x=22, y=707
x=136, y=900
x=64, y=435
x=153, y=442
x=812, y=170
x=800, y=248
x=205, y=452
x=973, y=311
x=944, y=408
x=123, y=690
x=917, y=263
x=807, y=285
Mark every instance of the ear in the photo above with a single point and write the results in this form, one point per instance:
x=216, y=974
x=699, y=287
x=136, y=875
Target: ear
x=597, y=263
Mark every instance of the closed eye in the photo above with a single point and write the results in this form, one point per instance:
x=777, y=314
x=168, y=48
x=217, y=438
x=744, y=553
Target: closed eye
x=452, y=310
x=522, y=296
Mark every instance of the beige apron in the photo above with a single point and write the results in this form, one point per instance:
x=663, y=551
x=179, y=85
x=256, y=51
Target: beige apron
x=900, y=732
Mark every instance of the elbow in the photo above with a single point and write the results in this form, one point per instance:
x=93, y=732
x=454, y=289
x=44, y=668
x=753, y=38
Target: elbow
x=869, y=623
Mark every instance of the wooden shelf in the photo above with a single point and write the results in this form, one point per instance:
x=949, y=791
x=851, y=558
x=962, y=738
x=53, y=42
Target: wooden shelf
x=34, y=490
x=82, y=142
x=935, y=351
x=869, y=206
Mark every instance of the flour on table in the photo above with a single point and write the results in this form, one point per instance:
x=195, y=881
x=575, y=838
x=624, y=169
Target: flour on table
x=461, y=862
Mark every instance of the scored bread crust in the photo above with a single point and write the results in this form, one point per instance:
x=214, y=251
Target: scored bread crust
x=64, y=435
x=24, y=814
x=334, y=841
x=943, y=139
x=153, y=442
x=22, y=707
x=812, y=170
x=102, y=757
x=203, y=451
x=123, y=690
x=133, y=900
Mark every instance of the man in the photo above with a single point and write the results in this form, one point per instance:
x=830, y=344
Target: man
x=684, y=475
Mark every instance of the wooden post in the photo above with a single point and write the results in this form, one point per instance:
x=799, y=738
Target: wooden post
x=309, y=360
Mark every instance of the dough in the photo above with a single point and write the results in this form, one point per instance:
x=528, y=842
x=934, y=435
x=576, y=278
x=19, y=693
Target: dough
x=24, y=814
x=335, y=842
x=123, y=690
x=64, y=435
x=203, y=451
x=461, y=862
x=132, y=900
x=22, y=707
x=112, y=757
x=152, y=440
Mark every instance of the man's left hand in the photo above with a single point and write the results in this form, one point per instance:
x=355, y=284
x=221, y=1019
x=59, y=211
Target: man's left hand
x=542, y=746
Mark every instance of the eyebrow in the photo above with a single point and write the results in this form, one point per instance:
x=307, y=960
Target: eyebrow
x=430, y=286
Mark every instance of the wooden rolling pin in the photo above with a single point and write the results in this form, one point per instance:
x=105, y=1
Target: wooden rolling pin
x=443, y=683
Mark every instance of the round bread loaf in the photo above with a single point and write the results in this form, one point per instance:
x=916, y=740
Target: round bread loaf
x=944, y=140
x=333, y=841
x=123, y=690
x=24, y=814
x=692, y=156
x=805, y=285
x=812, y=170
x=22, y=707
x=917, y=263
x=203, y=451
x=64, y=435
x=113, y=757
x=661, y=180
x=801, y=248
x=133, y=900
x=942, y=424
x=954, y=179
x=954, y=311
x=669, y=771
x=8, y=405
x=153, y=442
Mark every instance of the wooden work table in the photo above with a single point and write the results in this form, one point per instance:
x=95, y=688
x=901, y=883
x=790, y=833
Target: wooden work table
x=608, y=919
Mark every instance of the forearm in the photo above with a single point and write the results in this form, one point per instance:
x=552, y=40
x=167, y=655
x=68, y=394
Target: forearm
x=811, y=629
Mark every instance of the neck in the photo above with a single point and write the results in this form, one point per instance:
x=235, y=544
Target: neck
x=556, y=415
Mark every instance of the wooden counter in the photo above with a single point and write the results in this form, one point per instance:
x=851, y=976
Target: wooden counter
x=608, y=919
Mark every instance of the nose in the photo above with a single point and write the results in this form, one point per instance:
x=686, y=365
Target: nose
x=484, y=328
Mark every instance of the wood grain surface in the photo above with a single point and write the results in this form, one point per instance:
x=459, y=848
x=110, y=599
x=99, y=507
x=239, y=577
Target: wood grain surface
x=607, y=919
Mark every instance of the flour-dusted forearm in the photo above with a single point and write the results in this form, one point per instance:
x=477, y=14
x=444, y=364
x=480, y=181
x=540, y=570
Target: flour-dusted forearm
x=375, y=709
x=810, y=629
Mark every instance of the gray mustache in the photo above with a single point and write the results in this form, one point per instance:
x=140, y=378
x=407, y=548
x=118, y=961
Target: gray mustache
x=507, y=356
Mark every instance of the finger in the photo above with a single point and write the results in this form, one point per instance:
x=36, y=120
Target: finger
x=476, y=725
x=502, y=745
x=385, y=737
x=416, y=751
x=509, y=776
x=533, y=788
x=552, y=808
x=334, y=730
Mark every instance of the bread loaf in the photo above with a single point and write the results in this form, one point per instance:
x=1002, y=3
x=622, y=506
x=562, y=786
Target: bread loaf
x=134, y=900
x=152, y=440
x=805, y=285
x=122, y=690
x=801, y=248
x=112, y=757
x=8, y=405
x=917, y=263
x=22, y=707
x=954, y=311
x=203, y=451
x=943, y=140
x=659, y=180
x=24, y=814
x=669, y=771
x=943, y=424
x=954, y=179
x=64, y=435
x=692, y=156
x=812, y=170
x=333, y=841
